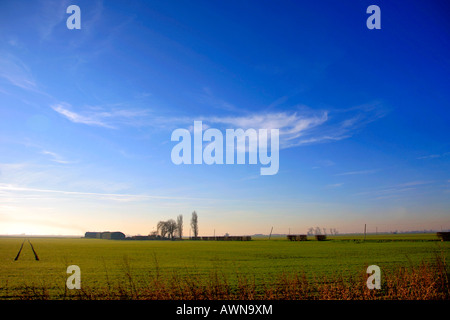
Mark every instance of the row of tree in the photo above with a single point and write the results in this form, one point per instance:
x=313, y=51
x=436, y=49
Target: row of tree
x=174, y=229
x=321, y=231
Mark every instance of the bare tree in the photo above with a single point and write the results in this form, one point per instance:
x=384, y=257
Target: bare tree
x=162, y=228
x=317, y=231
x=321, y=231
x=180, y=226
x=194, y=224
x=171, y=227
x=167, y=228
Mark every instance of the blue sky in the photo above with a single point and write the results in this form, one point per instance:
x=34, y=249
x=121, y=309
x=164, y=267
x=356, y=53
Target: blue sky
x=86, y=115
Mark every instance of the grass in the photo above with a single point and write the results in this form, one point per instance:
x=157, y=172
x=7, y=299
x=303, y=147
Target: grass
x=276, y=269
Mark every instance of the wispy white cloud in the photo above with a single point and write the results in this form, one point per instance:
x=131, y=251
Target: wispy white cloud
x=292, y=123
x=335, y=185
x=16, y=73
x=323, y=164
x=208, y=98
x=55, y=157
x=292, y=126
x=431, y=156
x=50, y=16
x=296, y=128
x=78, y=118
x=434, y=156
x=394, y=191
x=32, y=173
x=301, y=125
x=306, y=126
x=351, y=173
x=414, y=183
x=96, y=195
x=98, y=116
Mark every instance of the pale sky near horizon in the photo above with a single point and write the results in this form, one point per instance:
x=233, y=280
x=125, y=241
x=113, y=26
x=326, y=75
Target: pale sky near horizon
x=86, y=115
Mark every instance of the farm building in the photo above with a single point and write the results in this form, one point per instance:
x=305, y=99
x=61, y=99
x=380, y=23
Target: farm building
x=297, y=237
x=93, y=235
x=226, y=238
x=149, y=237
x=117, y=235
x=444, y=236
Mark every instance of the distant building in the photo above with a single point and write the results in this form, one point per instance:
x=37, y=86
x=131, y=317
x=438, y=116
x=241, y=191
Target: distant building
x=93, y=235
x=228, y=238
x=297, y=237
x=117, y=235
x=321, y=237
x=444, y=236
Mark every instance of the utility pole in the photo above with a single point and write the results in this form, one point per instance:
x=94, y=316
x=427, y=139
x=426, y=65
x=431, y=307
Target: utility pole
x=270, y=233
x=365, y=232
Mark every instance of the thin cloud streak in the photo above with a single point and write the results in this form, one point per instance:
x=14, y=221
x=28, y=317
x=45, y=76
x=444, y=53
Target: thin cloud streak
x=308, y=126
x=291, y=125
x=55, y=157
x=351, y=173
x=433, y=156
x=14, y=71
x=394, y=190
x=7, y=189
x=111, y=196
x=335, y=185
x=77, y=118
x=296, y=128
x=98, y=116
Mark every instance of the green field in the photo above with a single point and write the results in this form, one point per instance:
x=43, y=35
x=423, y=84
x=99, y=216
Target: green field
x=107, y=262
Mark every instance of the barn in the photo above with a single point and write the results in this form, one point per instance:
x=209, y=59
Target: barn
x=93, y=235
x=297, y=237
x=444, y=236
x=321, y=237
x=116, y=235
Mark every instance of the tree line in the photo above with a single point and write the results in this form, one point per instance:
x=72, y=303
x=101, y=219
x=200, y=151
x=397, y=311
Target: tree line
x=321, y=231
x=174, y=229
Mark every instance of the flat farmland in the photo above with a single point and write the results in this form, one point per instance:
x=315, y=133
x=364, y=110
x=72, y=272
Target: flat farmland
x=131, y=265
